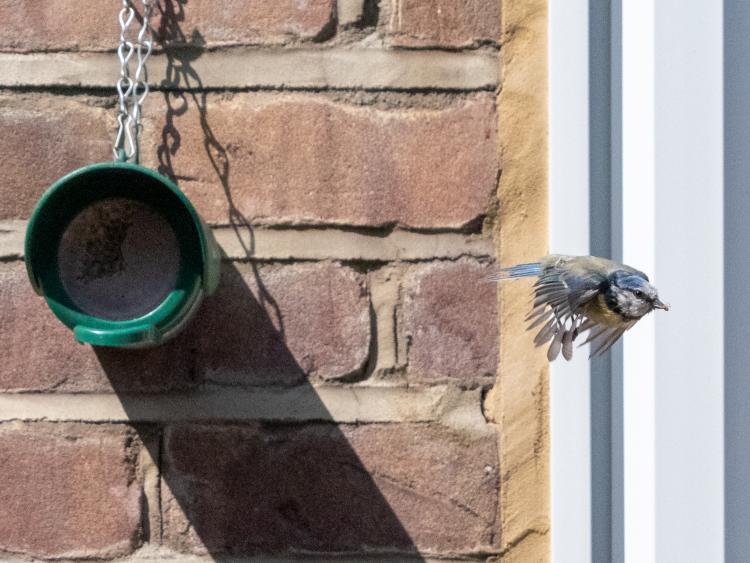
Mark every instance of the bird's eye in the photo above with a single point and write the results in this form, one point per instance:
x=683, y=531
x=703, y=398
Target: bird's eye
x=638, y=293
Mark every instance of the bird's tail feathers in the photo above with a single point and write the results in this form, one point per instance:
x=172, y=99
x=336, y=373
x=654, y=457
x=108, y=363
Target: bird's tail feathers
x=518, y=271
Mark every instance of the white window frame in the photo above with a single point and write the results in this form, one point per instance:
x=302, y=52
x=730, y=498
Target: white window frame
x=667, y=419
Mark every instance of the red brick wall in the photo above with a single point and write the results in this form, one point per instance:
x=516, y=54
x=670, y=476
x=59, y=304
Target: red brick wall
x=328, y=399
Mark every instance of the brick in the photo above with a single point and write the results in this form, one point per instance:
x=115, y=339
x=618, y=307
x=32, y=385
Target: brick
x=309, y=160
x=58, y=363
x=314, y=321
x=442, y=485
x=450, y=320
x=322, y=488
x=239, y=22
x=45, y=137
x=57, y=24
x=277, y=324
x=68, y=491
x=441, y=23
x=305, y=159
x=88, y=25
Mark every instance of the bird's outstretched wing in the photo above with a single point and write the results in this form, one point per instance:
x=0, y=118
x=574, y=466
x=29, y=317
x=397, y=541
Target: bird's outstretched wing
x=559, y=297
x=602, y=337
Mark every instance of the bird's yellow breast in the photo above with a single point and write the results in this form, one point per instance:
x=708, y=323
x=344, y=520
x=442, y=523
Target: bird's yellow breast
x=597, y=311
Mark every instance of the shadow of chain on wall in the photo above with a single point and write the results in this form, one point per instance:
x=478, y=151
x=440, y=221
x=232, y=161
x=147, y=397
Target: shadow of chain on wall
x=255, y=487
x=182, y=86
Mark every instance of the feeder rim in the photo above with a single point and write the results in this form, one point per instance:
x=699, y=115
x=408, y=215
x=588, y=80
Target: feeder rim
x=62, y=182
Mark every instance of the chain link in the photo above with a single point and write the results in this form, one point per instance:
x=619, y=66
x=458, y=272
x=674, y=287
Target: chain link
x=132, y=86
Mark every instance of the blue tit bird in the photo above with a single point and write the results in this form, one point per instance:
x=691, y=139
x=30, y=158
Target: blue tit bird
x=574, y=294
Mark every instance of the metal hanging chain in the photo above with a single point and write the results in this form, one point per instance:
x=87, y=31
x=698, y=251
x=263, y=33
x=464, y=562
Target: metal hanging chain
x=132, y=86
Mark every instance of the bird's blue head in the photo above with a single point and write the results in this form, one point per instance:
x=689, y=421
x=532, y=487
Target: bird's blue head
x=632, y=295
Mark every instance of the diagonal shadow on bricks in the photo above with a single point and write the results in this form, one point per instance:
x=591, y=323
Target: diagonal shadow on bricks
x=252, y=487
x=233, y=485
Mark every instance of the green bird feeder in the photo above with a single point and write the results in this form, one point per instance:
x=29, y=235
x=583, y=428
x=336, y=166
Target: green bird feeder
x=117, y=250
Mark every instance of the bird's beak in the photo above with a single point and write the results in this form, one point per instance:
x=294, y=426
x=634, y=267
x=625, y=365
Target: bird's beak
x=659, y=304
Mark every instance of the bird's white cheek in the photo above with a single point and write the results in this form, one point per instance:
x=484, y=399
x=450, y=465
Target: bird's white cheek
x=632, y=307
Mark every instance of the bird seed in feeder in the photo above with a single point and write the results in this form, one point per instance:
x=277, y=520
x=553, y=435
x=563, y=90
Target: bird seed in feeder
x=118, y=259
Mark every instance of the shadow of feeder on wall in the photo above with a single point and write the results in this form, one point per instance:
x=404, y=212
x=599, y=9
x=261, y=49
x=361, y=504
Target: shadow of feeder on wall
x=236, y=485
